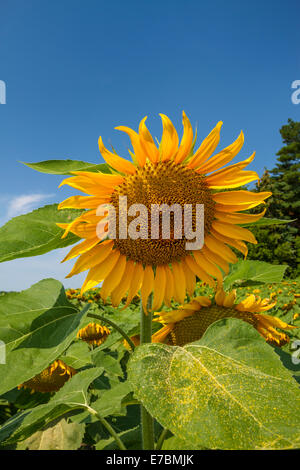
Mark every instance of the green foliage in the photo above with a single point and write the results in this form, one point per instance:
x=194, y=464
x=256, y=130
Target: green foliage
x=253, y=271
x=280, y=244
x=41, y=323
x=66, y=167
x=36, y=233
x=57, y=436
x=36, y=325
x=73, y=395
x=226, y=391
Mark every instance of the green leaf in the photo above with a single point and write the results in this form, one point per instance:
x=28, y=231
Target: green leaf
x=227, y=391
x=36, y=233
x=73, y=395
x=112, y=401
x=36, y=325
x=59, y=436
x=111, y=364
x=131, y=438
x=65, y=167
x=254, y=271
x=174, y=443
x=77, y=355
x=264, y=221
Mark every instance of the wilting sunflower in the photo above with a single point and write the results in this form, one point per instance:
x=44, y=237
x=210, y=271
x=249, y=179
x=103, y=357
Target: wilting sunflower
x=170, y=174
x=50, y=379
x=93, y=334
x=190, y=321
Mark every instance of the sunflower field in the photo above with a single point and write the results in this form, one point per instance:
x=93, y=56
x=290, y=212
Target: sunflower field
x=165, y=346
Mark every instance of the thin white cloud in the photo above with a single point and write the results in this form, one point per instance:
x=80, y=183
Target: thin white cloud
x=25, y=203
x=22, y=273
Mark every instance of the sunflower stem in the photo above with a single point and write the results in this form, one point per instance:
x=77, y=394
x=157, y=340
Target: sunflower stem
x=109, y=428
x=147, y=422
x=114, y=325
x=161, y=439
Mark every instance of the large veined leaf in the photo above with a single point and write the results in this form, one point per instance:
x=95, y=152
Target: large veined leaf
x=112, y=401
x=73, y=395
x=36, y=326
x=58, y=436
x=174, y=443
x=65, y=167
x=36, y=233
x=254, y=271
x=227, y=391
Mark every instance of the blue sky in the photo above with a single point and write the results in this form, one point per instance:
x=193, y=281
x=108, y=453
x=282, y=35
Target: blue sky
x=74, y=70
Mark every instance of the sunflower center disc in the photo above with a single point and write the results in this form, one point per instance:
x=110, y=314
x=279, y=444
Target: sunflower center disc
x=192, y=328
x=161, y=183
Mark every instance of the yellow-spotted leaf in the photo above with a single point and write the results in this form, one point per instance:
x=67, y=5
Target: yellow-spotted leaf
x=227, y=391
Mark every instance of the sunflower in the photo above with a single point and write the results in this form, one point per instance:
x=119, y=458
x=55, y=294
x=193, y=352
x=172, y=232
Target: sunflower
x=94, y=334
x=190, y=321
x=172, y=173
x=50, y=379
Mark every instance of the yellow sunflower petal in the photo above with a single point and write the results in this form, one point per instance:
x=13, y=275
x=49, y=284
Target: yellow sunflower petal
x=147, y=142
x=114, y=278
x=159, y=287
x=202, y=301
x=215, y=258
x=179, y=282
x=220, y=297
x=136, y=144
x=82, y=202
x=116, y=162
x=186, y=141
x=238, y=218
x=228, y=208
x=209, y=267
x=237, y=244
x=275, y=321
x=100, y=271
x=121, y=289
x=246, y=304
x=224, y=157
x=230, y=299
x=216, y=246
x=169, y=291
x=91, y=258
x=207, y=147
x=234, y=231
x=190, y=278
x=195, y=268
x=240, y=197
x=160, y=335
x=105, y=180
x=169, y=141
x=136, y=282
x=81, y=248
x=230, y=170
x=87, y=185
x=235, y=181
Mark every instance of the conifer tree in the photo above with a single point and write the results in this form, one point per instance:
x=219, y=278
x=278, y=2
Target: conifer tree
x=280, y=244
